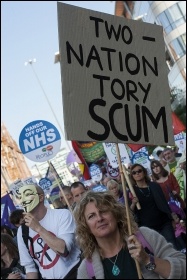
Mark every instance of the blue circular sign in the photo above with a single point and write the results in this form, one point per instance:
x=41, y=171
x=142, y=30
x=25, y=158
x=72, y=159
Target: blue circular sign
x=45, y=184
x=39, y=141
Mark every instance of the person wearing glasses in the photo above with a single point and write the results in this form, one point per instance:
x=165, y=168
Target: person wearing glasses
x=155, y=212
x=167, y=181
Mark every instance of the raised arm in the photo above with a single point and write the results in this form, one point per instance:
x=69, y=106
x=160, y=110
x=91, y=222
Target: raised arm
x=56, y=244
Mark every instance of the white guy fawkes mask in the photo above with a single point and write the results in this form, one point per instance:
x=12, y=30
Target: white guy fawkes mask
x=29, y=197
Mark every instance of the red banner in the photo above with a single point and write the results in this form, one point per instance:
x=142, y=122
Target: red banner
x=135, y=147
x=178, y=126
x=86, y=173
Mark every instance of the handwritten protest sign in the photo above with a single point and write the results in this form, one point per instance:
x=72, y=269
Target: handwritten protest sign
x=14, y=187
x=114, y=75
x=180, y=141
x=110, y=150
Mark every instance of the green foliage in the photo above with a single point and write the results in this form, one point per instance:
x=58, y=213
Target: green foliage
x=173, y=93
x=180, y=111
x=150, y=149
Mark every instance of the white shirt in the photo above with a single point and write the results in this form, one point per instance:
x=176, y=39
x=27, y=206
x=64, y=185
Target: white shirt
x=59, y=222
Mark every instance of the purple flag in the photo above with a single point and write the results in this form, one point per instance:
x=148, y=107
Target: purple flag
x=8, y=206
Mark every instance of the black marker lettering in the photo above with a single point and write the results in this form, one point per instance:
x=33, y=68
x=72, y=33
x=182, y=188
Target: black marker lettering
x=94, y=55
x=71, y=50
x=101, y=78
x=95, y=117
x=154, y=69
x=137, y=119
x=115, y=107
x=155, y=122
x=97, y=20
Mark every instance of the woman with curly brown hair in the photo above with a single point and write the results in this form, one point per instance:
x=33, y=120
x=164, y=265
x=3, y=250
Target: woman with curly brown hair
x=10, y=266
x=102, y=233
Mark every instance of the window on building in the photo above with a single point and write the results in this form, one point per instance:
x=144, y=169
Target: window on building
x=169, y=60
x=178, y=46
x=178, y=82
x=173, y=16
x=182, y=7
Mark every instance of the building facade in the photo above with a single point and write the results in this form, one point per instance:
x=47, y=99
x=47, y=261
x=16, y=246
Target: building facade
x=172, y=16
x=124, y=8
x=13, y=164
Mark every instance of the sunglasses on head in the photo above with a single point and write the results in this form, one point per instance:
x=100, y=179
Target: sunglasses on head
x=137, y=171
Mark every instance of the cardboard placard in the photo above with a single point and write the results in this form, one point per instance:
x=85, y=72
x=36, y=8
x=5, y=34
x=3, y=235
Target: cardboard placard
x=114, y=78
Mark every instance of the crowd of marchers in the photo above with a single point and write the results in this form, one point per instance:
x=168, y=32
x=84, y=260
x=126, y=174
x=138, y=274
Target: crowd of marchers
x=103, y=235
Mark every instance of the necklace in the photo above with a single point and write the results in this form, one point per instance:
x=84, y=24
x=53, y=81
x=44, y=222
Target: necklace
x=147, y=193
x=115, y=268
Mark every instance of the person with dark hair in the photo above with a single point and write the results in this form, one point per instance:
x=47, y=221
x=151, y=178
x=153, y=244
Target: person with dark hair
x=159, y=154
x=77, y=190
x=6, y=229
x=155, y=212
x=51, y=247
x=16, y=217
x=167, y=181
x=108, y=250
x=10, y=264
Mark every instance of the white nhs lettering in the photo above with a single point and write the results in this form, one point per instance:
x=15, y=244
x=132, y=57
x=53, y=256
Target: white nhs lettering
x=39, y=140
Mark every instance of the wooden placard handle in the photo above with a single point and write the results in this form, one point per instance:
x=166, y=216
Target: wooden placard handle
x=127, y=206
x=130, y=186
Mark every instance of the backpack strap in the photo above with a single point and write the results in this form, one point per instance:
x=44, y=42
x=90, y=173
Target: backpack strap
x=144, y=242
x=25, y=234
x=26, y=238
x=89, y=268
